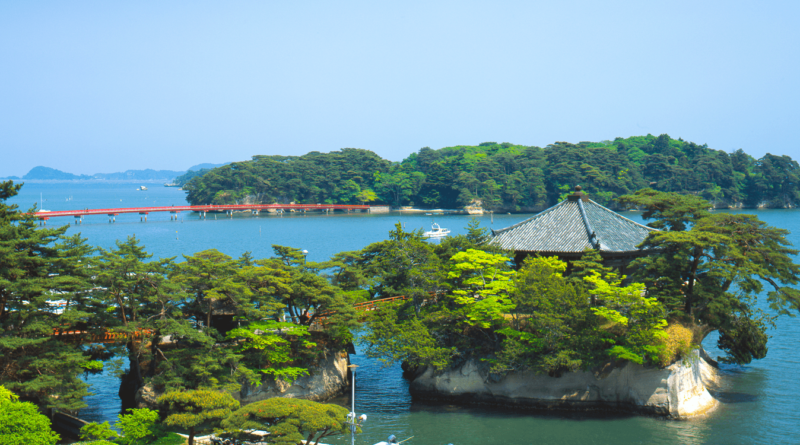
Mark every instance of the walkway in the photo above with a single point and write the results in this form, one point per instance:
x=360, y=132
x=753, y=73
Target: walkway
x=203, y=209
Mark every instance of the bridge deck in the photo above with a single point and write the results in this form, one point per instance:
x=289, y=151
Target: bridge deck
x=203, y=208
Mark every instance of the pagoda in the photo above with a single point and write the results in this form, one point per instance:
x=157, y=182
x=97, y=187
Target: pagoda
x=572, y=226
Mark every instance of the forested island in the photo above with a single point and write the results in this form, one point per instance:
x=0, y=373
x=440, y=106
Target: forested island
x=41, y=173
x=507, y=177
x=218, y=342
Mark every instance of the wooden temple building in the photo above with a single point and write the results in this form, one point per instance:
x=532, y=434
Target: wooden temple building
x=572, y=226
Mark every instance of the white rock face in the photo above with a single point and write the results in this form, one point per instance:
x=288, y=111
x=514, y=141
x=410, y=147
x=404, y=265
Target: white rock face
x=678, y=391
x=327, y=380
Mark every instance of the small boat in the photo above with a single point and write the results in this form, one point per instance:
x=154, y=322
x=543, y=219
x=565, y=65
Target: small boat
x=436, y=232
x=142, y=188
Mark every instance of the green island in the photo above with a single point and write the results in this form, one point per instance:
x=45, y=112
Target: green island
x=505, y=177
x=214, y=341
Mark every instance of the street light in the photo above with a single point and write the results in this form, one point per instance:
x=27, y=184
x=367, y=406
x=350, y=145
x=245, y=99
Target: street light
x=305, y=254
x=351, y=418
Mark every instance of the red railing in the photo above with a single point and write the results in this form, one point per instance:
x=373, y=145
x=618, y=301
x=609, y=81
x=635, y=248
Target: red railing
x=105, y=337
x=202, y=208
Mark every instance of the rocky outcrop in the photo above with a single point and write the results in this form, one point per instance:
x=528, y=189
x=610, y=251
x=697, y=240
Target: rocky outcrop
x=678, y=391
x=327, y=379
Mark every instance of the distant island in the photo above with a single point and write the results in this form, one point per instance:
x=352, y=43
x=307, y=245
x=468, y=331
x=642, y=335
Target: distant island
x=47, y=173
x=505, y=177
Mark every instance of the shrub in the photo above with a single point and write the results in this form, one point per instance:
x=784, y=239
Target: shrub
x=169, y=439
x=95, y=442
x=678, y=344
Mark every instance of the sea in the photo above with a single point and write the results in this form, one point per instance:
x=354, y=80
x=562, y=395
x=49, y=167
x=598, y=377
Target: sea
x=759, y=402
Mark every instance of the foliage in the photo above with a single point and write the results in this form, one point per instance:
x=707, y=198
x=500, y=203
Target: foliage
x=534, y=318
x=507, y=177
x=169, y=439
x=344, y=176
x=289, y=421
x=97, y=431
x=483, y=281
x=21, y=423
x=38, y=265
x=96, y=442
x=677, y=344
x=269, y=338
x=636, y=319
x=190, y=409
x=712, y=269
x=406, y=264
x=550, y=328
x=138, y=426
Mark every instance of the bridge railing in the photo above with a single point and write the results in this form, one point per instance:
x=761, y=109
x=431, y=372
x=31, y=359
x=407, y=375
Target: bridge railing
x=197, y=208
x=104, y=337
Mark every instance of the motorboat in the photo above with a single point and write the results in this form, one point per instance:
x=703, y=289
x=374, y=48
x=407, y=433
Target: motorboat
x=436, y=232
x=142, y=188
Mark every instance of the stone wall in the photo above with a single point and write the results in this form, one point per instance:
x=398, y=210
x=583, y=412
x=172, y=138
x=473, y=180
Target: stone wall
x=678, y=391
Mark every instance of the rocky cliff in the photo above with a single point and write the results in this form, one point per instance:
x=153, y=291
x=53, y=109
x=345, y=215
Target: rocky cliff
x=327, y=379
x=678, y=391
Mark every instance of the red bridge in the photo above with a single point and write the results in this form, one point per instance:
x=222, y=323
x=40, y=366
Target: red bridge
x=81, y=336
x=203, y=210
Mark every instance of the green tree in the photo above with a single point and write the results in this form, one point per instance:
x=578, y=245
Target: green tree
x=97, y=431
x=290, y=421
x=711, y=274
x=136, y=299
x=272, y=344
x=37, y=267
x=550, y=327
x=190, y=409
x=138, y=426
x=483, y=281
x=21, y=423
x=405, y=264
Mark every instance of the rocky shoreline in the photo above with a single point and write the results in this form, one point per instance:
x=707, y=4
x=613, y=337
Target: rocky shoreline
x=327, y=379
x=679, y=391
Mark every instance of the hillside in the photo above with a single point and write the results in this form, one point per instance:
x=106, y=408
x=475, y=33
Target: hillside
x=507, y=177
x=47, y=173
x=51, y=173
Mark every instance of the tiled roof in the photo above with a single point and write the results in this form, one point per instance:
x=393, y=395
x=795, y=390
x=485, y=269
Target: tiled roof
x=563, y=229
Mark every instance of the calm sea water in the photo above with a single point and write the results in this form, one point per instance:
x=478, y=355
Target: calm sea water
x=759, y=402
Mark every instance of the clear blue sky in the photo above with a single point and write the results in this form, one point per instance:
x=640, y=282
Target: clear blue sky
x=104, y=86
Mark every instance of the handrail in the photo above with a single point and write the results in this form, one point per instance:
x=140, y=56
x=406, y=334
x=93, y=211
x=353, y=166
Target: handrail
x=197, y=208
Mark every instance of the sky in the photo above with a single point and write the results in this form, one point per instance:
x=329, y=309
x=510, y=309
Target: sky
x=97, y=86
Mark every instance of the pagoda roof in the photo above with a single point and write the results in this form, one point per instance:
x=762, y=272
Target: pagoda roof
x=572, y=226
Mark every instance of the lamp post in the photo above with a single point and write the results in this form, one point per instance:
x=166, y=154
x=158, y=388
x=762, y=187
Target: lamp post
x=351, y=418
x=305, y=254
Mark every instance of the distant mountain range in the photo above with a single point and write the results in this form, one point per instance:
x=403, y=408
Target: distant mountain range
x=45, y=173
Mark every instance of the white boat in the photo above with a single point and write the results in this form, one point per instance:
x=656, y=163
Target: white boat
x=142, y=188
x=436, y=232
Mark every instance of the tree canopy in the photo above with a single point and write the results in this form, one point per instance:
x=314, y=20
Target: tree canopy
x=21, y=423
x=290, y=421
x=506, y=177
x=712, y=268
x=211, y=321
x=190, y=409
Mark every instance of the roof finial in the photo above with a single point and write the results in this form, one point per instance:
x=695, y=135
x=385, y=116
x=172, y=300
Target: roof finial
x=578, y=194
